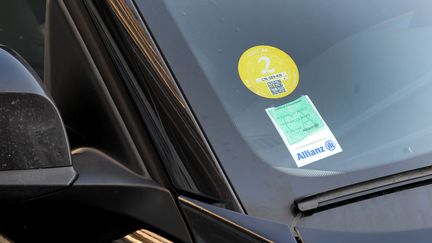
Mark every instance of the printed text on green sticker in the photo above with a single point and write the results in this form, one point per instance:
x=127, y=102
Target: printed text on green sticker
x=297, y=119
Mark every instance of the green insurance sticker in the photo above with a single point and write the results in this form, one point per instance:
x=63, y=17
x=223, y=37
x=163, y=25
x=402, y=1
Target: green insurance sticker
x=297, y=119
x=304, y=131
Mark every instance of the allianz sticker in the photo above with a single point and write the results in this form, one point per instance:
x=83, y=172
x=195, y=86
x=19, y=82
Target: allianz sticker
x=303, y=131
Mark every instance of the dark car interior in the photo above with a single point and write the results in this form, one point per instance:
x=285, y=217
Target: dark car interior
x=22, y=27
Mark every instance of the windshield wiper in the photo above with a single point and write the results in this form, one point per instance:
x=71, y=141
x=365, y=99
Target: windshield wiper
x=380, y=185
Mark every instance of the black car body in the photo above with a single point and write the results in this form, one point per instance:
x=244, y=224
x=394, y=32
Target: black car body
x=120, y=115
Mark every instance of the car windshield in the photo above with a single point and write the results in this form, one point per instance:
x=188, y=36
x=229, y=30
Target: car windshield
x=311, y=89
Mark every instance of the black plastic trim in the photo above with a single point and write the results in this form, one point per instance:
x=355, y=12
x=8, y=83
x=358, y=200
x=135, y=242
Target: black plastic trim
x=16, y=185
x=262, y=230
x=106, y=184
x=362, y=189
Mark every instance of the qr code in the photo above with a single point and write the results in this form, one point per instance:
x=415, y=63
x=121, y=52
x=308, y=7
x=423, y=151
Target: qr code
x=276, y=87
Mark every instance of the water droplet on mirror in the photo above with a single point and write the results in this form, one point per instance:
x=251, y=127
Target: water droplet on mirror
x=408, y=149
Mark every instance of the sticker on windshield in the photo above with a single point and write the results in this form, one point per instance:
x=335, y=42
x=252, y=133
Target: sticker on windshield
x=304, y=131
x=268, y=72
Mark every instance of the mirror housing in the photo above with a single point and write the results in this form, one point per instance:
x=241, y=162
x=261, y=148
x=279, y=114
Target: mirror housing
x=43, y=196
x=31, y=130
x=34, y=151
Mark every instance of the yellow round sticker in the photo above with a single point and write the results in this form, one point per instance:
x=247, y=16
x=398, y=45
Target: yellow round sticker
x=268, y=72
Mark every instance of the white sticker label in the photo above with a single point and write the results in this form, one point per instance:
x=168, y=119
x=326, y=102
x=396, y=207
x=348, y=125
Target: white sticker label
x=303, y=131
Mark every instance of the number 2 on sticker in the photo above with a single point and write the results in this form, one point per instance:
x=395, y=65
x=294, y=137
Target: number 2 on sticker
x=267, y=65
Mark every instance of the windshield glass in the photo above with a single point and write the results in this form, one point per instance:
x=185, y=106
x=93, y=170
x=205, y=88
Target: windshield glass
x=311, y=88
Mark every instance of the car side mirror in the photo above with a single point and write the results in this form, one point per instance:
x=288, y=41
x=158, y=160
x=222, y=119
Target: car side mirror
x=34, y=151
x=37, y=175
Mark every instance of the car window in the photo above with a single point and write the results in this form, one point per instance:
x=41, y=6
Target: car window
x=363, y=76
x=22, y=29
x=363, y=79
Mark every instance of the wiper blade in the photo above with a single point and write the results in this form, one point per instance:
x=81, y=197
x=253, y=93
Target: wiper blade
x=363, y=189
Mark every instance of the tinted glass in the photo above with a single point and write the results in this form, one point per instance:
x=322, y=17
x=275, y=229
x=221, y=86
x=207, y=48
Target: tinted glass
x=22, y=24
x=364, y=64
